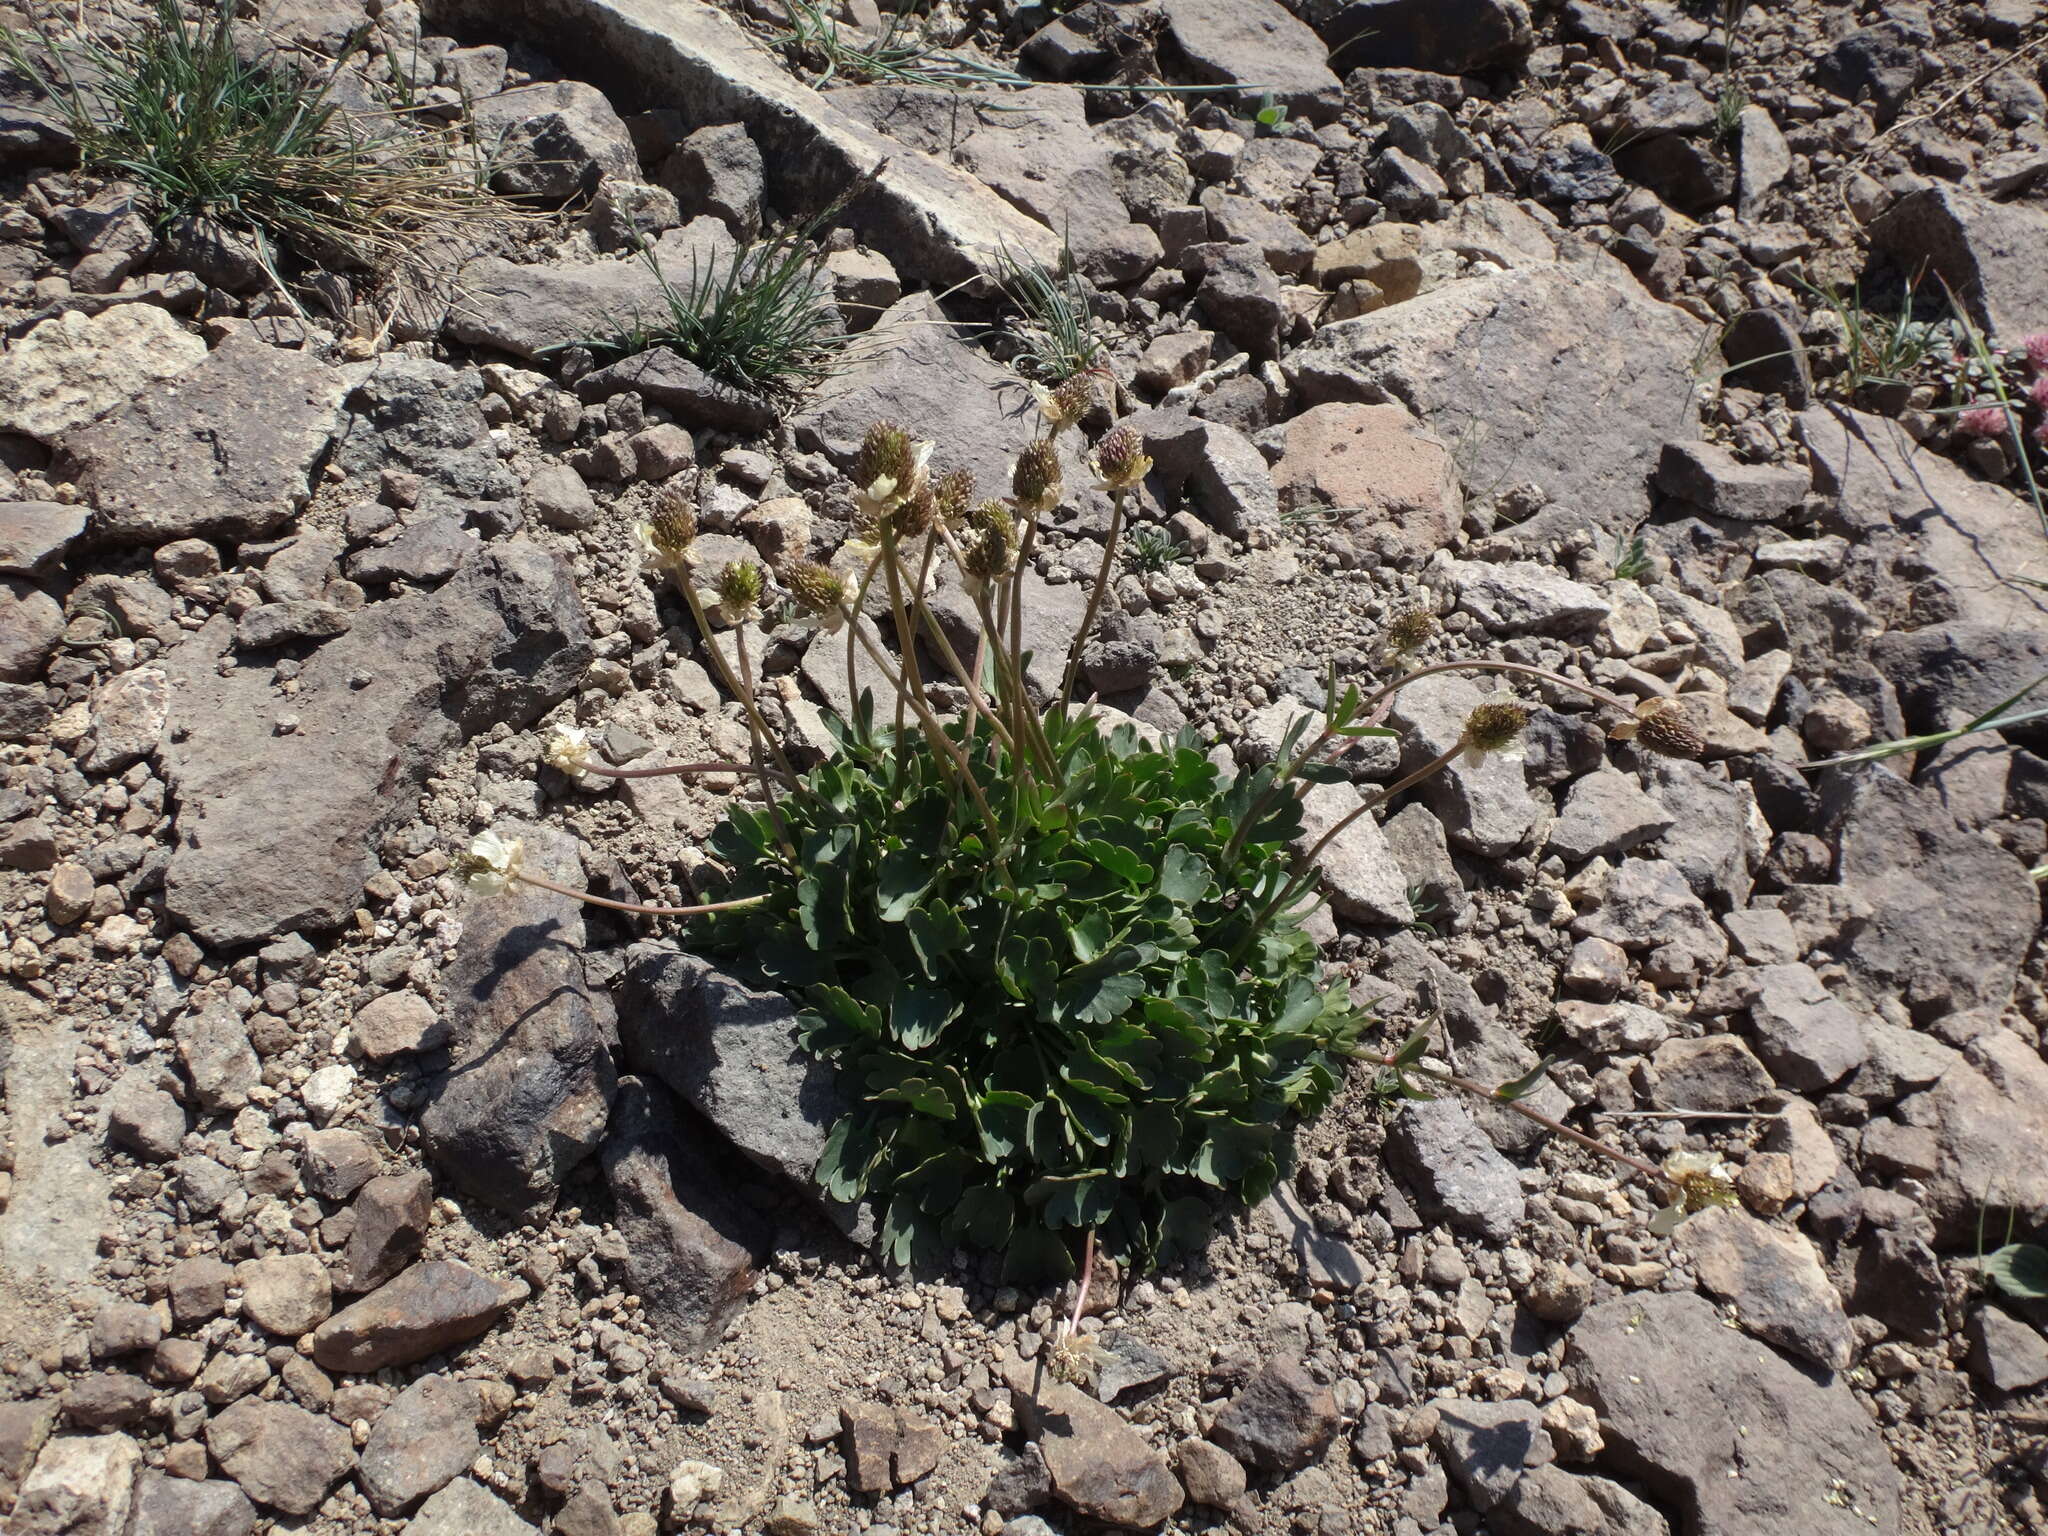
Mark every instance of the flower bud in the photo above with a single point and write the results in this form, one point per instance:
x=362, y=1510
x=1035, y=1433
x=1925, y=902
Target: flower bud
x=568, y=751
x=491, y=863
x=740, y=586
x=917, y=514
x=1120, y=460
x=1035, y=482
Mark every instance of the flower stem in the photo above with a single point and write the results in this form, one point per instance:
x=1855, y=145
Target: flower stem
x=1548, y=1122
x=1483, y=664
x=665, y=770
x=1088, y=614
x=642, y=908
x=1087, y=1279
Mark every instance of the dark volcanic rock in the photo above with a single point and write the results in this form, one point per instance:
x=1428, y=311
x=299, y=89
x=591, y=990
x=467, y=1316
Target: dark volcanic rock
x=732, y=1053
x=1279, y=1421
x=275, y=831
x=1684, y=1402
x=531, y=1083
x=428, y=1308
x=226, y=455
x=690, y=1246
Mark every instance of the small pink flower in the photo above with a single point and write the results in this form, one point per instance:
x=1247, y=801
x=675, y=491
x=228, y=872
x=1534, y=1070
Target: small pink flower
x=2041, y=434
x=2036, y=348
x=1985, y=421
x=2038, y=392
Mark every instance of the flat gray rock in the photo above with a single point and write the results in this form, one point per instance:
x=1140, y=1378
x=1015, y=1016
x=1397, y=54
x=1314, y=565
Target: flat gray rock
x=1703, y=1417
x=225, y=453
x=1573, y=378
x=1774, y=1279
x=276, y=830
x=934, y=222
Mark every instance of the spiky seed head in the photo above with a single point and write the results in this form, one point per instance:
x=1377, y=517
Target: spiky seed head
x=1663, y=726
x=817, y=590
x=1410, y=630
x=1120, y=459
x=1066, y=405
x=1494, y=727
x=885, y=456
x=955, y=493
x=740, y=586
x=991, y=546
x=670, y=529
x=1035, y=482
x=917, y=514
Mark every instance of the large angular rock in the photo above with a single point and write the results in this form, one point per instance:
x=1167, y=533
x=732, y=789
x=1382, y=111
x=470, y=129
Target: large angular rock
x=466, y=1508
x=1970, y=534
x=81, y=1485
x=1387, y=473
x=1549, y=1501
x=1258, y=44
x=1606, y=812
x=1518, y=597
x=1485, y=805
x=690, y=1246
x=1358, y=869
x=1990, y=1135
x=1946, y=672
x=529, y=310
x=225, y=454
x=1684, y=1402
x=1035, y=149
x=1279, y=1421
x=1809, y=1038
x=276, y=831
x=176, y=1506
x=1988, y=253
x=552, y=142
x=1463, y=37
x=1775, y=1280
x=428, y=1308
x=731, y=1053
x=1100, y=1467
x=662, y=376
x=72, y=367
x=1568, y=376
x=916, y=372
x=530, y=1079
x=1487, y=1446
x=284, y=1457
x=1454, y=1169
x=35, y=534
x=936, y=223
x=1951, y=914
x=423, y=1441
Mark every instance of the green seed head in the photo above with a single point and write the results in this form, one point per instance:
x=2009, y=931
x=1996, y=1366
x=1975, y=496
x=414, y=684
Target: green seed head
x=1036, y=480
x=1494, y=727
x=955, y=493
x=740, y=586
x=816, y=589
x=886, y=458
x=990, y=548
x=1066, y=405
x=917, y=514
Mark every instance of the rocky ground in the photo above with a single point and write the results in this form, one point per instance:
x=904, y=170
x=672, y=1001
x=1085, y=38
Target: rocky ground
x=339, y=1200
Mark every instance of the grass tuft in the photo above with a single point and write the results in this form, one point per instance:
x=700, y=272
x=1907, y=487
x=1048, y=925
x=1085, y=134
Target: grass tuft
x=761, y=319
x=1055, y=332
x=174, y=108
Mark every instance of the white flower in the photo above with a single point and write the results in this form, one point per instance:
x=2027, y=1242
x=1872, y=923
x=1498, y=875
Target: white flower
x=492, y=863
x=568, y=750
x=661, y=557
x=1683, y=1165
